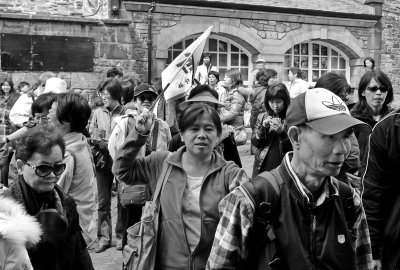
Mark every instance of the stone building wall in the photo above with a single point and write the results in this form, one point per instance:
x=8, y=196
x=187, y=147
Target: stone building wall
x=390, y=57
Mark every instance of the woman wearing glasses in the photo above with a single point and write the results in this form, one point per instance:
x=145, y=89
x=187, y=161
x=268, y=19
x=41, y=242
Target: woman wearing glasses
x=70, y=114
x=40, y=158
x=375, y=93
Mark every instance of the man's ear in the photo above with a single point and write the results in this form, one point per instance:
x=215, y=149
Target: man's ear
x=20, y=164
x=294, y=136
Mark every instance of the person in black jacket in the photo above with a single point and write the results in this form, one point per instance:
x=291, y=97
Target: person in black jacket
x=381, y=197
x=40, y=163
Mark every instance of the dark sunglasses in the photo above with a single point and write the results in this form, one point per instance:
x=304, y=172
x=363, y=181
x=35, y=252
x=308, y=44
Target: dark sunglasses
x=45, y=170
x=148, y=97
x=375, y=88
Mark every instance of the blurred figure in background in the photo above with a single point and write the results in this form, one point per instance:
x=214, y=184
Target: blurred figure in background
x=296, y=85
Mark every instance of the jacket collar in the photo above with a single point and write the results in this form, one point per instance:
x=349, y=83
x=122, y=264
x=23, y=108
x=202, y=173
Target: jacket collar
x=217, y=161
x=301, y=192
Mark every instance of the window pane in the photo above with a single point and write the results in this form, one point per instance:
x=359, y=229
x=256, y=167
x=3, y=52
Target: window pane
x=288, y=51
x=315, y=62
x=305, y=74
x=245, y=73
x=324, y=62
x=212, y=45
x=342, y=64
x=288, y=61
x=297, y=49
x=323, y=72
x=334, y=62
x=244, y=60
x=296, y=62
x=214, y=59
x=178, y=46
x=324, y=50
x=315, y=75
x=342, y=72
x=315, y=49
x=222, y=46
x=222, y=72
x=169, y=59
x=234, y=48
x=304, y=62
x=188, y=42
x=176, y=53
x=334, y=53
x=285, y=75
x=234, y=59
x=304, y=49
x=223, y=60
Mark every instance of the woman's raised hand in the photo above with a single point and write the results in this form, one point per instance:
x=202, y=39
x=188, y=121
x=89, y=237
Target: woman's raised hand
x=144, y=121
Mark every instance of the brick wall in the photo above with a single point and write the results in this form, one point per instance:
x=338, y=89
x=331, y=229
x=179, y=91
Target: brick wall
x=390, y=59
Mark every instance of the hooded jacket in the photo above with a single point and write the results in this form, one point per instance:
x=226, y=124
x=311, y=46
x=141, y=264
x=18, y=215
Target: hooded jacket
x=17, y=230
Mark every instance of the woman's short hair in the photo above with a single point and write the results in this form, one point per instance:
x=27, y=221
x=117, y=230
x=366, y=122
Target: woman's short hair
x=40, y=140
x=128, y=89
x=296, y=71
x=74, y=109
x=112, y=86
x=9, y=83
x=277, y=91
x=194, y=111
x=362, y=107
x=264, y=75
x=333, y=82
x=201, y=89
x=371, y=60
x=215, y=74
x=43, y=102
x=235, y=76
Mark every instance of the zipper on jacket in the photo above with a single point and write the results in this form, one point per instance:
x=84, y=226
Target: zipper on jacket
x=313, y=219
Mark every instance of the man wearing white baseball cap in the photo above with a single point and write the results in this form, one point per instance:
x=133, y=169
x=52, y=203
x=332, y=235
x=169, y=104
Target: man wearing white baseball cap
x=298, y=216
x=260, y=64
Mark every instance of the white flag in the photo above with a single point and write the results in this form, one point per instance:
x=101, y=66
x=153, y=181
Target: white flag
x=179, y=73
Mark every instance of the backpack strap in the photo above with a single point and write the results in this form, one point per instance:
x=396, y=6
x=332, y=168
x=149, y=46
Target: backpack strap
x=162, y=179
x=346, y=197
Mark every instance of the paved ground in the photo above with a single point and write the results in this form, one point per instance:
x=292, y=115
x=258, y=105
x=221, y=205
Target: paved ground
x=111, y=259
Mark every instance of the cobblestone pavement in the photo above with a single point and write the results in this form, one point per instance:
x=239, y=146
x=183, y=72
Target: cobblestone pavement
x=111, y=259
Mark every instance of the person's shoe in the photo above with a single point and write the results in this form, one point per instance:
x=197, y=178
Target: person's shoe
x=118, y=245
x=101, y=247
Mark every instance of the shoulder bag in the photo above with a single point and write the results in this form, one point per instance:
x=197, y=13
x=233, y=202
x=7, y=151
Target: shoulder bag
x=140, y=251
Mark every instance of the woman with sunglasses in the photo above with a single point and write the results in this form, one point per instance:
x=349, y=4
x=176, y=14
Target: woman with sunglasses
x=70, y=114
x=40, y=158
x=375, y=93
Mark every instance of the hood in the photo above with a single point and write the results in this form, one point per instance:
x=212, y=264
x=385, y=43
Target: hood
x=16, y=225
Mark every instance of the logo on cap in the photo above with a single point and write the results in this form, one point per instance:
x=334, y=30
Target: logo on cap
x=336, y=104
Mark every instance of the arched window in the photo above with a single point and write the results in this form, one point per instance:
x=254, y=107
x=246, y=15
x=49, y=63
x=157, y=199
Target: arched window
x=315, y=59
x=225, y=54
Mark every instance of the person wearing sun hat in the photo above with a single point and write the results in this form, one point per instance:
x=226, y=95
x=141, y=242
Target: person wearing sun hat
x=260, y=64
x=312, y=220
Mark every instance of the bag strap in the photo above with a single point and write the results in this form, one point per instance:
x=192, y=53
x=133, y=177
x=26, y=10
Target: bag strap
x=346, y=196
x=165, y=172
x=155, y=136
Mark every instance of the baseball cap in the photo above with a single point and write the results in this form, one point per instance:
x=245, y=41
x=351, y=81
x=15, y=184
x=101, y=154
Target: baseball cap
x=321, y=110
x=260, y=60
x=144, y=88
x=55, y=85
x=201, y=97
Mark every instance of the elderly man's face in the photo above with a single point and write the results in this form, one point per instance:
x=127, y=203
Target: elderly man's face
x=321, y=154
x=260, y=65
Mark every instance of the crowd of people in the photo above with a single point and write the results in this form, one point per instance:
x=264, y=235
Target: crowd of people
x=322, y=194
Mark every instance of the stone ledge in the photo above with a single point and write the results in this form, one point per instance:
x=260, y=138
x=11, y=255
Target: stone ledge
x=70, y=19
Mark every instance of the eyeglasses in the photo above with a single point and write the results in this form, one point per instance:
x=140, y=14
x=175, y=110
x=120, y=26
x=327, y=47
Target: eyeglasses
x=45, y=170
x=375, y=88
x=147, y=97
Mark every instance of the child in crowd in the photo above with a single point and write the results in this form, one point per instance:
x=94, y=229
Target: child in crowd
x=270, y=137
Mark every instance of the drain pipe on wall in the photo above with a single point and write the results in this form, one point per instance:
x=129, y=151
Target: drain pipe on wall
x=150, y=41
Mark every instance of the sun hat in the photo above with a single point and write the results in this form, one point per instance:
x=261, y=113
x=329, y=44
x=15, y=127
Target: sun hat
x=144, y=88
x=321, y=110
x=201, y=97
x=55, y=85
x=260, y=60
